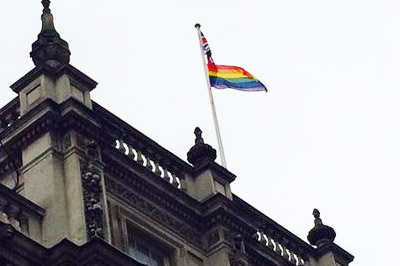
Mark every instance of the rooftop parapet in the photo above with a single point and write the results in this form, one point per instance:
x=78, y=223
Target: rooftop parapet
x=143, y=150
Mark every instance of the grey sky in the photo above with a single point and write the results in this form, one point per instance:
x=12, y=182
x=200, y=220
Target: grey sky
x=326, y=135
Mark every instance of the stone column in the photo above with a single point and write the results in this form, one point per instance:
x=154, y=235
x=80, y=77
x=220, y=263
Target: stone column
x=44, y=183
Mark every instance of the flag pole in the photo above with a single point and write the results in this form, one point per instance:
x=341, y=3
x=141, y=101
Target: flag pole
x=221, y=148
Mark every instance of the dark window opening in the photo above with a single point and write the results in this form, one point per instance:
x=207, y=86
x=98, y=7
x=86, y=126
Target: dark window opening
x=144, y=249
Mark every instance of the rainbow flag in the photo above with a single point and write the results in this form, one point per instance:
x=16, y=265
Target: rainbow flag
x=222, y=77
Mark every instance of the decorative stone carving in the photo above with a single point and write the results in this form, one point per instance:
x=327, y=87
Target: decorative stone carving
x=13, y=212
x=91, y=183
x=3, y=215
x=67, y=141
x=237, y=242
x=213, y=238
x=91, y=150
x=151, y=210
x=93, y=210
x=6, y=232
x=238, y=257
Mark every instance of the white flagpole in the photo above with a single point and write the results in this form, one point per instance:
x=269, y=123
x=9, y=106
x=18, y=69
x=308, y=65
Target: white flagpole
x=221, y=148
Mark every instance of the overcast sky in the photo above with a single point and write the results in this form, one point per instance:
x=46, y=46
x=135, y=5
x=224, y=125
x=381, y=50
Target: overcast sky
x=327, y=133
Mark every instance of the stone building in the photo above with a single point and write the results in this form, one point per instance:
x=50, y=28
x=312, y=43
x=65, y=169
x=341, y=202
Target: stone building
x=79, y=186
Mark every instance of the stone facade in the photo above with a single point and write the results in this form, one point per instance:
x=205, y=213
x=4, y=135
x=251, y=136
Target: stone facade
x=79, y=186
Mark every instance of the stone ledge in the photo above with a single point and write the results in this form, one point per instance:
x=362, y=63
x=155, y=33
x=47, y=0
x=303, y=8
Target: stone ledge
x=21, y=250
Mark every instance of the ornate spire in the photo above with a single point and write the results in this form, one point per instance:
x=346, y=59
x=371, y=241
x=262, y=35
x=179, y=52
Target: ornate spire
x=201, y=153
x=321, y=233
x=49, y=51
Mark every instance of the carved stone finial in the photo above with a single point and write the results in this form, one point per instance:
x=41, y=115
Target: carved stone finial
x=317, y=220
x=321, y=233
x=46, y=6
x=201, y=153
x=47, y=17
x=49, y=51
x=197, y=133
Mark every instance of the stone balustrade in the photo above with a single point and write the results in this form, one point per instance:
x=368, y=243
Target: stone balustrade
x=264, y=236
x=152, y=162
x=283, y=246
x=20, y=213
x=138, y=147
x=9, y=114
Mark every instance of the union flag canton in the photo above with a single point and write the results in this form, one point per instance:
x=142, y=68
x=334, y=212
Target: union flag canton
x=206, y=47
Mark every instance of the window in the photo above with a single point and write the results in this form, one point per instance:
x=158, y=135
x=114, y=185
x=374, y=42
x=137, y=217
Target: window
x=144, y=249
